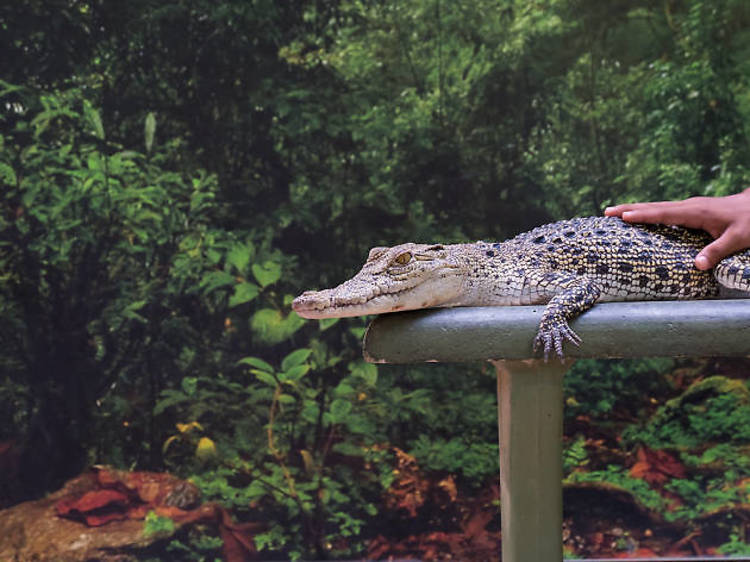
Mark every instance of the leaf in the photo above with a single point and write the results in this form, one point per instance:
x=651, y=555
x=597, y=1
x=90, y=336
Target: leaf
x=295, y=358
x=339, y=409
x=7, y=88
x=344, y=389
x=266, y=274
x=168, y=442
x=172, y=397
x=94, y=162
x=131, y=311
x=158, y=525
x=126, y=155
x=256, y=362
x=359, y=332
x=206, y=449
x=295, y=373
x=244, y=292
x=358, y=424
x=349, y=449
x=215, y=279
x=7, y=175
x=239, y=256
x=149, y=129
x=264, y=377
x=325, y=323
x=185, y=427
x=656, y=466
x=93, y=118
x=271, y=327
x=255, y=490
x=308, y=461
x=189, y=385
x=90, y=504
x=366, y=371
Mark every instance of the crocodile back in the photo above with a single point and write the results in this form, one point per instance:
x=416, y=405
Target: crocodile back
x=627, y=262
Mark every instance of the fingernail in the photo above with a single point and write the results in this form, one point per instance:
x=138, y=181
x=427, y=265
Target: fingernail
x=626, y=215
x=701, y=262
x=608, y=210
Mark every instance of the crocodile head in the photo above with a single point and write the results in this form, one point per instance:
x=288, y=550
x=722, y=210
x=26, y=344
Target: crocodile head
x=404, y=277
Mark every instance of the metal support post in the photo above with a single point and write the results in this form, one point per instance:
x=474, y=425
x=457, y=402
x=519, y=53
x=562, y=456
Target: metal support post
x=530, y=413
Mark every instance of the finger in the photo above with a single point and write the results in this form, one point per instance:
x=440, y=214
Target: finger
x=728, y=243
x=680, y=214
x=618, y=210
x=615, y=210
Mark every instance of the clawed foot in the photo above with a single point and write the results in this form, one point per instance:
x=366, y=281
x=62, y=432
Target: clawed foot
x=554, y=334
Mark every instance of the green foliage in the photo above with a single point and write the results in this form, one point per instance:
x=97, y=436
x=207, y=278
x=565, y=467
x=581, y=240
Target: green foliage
x=715, y=409
x=703, y=497
x=314, y=408
x=477, y=462
x=272, y=326
x=599, y=387
x=705, y=427
x=196, y=548
x=736, y=546
x=617, y=476
x=157, y=525
x=98, y=244
x=730, y=457
x=575, y=456
x=149, y=130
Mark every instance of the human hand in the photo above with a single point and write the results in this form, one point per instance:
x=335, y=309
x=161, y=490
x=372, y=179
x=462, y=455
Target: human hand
x=727, y=219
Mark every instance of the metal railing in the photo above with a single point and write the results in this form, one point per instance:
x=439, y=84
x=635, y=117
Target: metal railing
x=530, y=403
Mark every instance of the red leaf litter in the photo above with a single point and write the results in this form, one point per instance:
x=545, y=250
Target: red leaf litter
x=95, y=508
x=116, y=495
x=656, y=467
x=107, y=495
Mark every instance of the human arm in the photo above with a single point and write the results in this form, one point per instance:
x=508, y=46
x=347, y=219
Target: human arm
x=727, y=219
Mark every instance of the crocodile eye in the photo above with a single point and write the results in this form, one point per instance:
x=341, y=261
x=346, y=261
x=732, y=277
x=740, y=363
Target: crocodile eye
x=403, y=259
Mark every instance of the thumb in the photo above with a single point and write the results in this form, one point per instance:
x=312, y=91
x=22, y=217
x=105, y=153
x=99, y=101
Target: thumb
x=717, y=250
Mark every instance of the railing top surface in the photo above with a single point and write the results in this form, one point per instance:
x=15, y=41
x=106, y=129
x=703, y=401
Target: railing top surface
x=622, y=329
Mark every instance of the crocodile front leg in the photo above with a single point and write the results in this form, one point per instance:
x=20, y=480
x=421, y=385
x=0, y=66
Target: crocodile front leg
x=572, y=295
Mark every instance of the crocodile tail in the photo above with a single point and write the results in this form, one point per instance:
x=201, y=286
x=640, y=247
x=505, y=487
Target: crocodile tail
x=733, y=271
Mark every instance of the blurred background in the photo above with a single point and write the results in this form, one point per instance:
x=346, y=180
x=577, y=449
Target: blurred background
x=173, y=172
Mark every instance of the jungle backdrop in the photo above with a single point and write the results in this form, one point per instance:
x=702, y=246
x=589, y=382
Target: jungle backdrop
x=173, y=172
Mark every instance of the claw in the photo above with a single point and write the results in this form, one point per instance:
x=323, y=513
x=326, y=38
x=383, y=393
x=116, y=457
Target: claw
x=544, y=340
x=547, y=337
x=571, y=336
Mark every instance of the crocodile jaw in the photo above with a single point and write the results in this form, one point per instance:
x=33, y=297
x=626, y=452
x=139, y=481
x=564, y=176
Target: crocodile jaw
x=355, y=298
x=328, y=304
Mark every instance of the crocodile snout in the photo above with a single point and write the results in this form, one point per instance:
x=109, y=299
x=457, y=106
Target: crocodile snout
x=311, y=301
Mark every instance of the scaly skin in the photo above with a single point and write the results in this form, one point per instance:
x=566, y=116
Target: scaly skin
x=568, y=265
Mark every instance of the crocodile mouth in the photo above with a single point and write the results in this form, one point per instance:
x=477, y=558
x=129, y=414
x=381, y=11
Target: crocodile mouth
x=363, y=295
x=325, y=304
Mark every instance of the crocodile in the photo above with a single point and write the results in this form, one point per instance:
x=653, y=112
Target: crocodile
x=568, y=265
